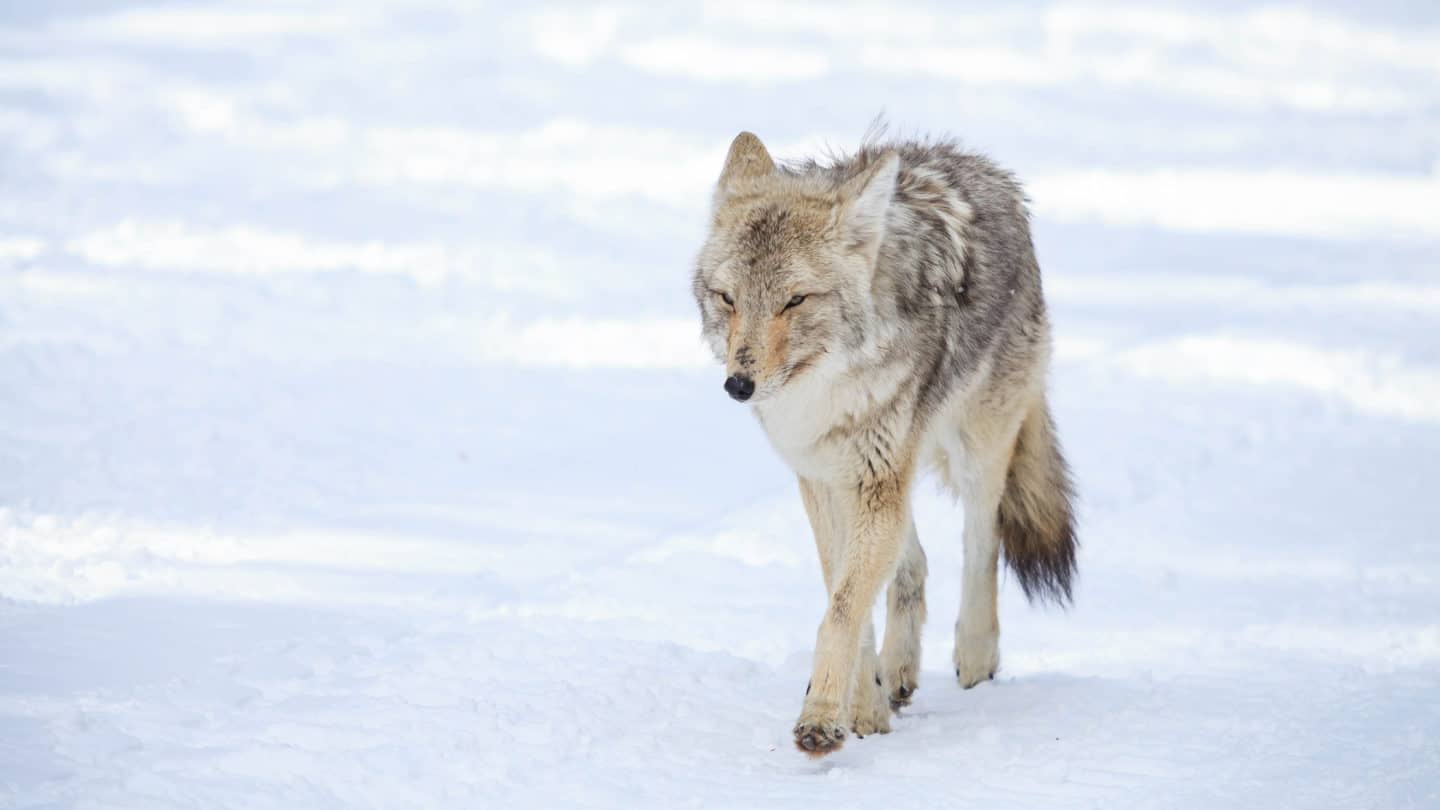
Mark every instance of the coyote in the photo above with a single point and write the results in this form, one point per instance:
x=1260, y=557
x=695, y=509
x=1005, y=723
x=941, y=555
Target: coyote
x=882, y=314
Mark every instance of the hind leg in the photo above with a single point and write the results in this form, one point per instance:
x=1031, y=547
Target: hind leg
x=905, y=617
x=977, y=630
x=981, y=483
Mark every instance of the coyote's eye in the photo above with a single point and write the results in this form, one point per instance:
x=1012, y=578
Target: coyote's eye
x=729, y=302
x=795, y=301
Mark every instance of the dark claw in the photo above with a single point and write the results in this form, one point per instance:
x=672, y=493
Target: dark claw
x=807, y=687
x=877, y=680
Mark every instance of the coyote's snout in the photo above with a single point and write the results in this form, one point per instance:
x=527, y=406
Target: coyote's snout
x=883, y=313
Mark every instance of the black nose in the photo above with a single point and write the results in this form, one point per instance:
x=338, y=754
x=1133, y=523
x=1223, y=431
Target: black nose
x=739, y=388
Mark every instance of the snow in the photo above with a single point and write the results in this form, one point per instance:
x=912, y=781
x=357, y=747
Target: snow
x=357, y=448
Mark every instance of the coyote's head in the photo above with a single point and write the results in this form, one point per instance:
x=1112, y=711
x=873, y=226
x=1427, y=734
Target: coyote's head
x=784, y=279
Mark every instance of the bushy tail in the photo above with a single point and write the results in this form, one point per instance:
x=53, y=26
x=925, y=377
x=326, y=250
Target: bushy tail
x=1037, y=522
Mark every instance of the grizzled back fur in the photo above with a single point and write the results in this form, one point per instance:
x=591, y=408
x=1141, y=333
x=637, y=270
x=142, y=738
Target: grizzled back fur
x=956, y=268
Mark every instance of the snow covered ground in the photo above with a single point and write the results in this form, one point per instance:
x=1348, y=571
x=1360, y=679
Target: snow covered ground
x=357, y=448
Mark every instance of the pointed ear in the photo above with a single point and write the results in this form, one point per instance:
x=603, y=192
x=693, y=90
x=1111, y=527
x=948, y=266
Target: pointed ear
x=747, y=160
x=865, y=201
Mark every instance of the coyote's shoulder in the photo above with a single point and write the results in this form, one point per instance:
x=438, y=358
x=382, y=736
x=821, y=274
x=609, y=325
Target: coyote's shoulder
x=955, y=273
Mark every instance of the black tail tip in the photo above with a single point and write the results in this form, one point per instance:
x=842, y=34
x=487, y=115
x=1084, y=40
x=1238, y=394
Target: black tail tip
x=1045, y=569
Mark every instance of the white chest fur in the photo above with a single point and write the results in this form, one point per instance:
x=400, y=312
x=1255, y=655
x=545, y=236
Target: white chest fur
x=813, y=422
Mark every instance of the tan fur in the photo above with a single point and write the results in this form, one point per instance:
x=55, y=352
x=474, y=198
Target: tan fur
x=868, y=710
x=777, y=346
x=862, y=558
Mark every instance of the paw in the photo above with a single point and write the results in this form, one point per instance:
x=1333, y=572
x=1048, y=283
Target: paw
x=870, y=713
x=877, y=722
x=977, y=657
x=819, y=740
x=819, y=732
x=903, y=680
x=900, y=696
x=900, y=664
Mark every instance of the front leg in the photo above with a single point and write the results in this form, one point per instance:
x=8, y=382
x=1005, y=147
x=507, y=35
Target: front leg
x=869, y=700
x=875, y=510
